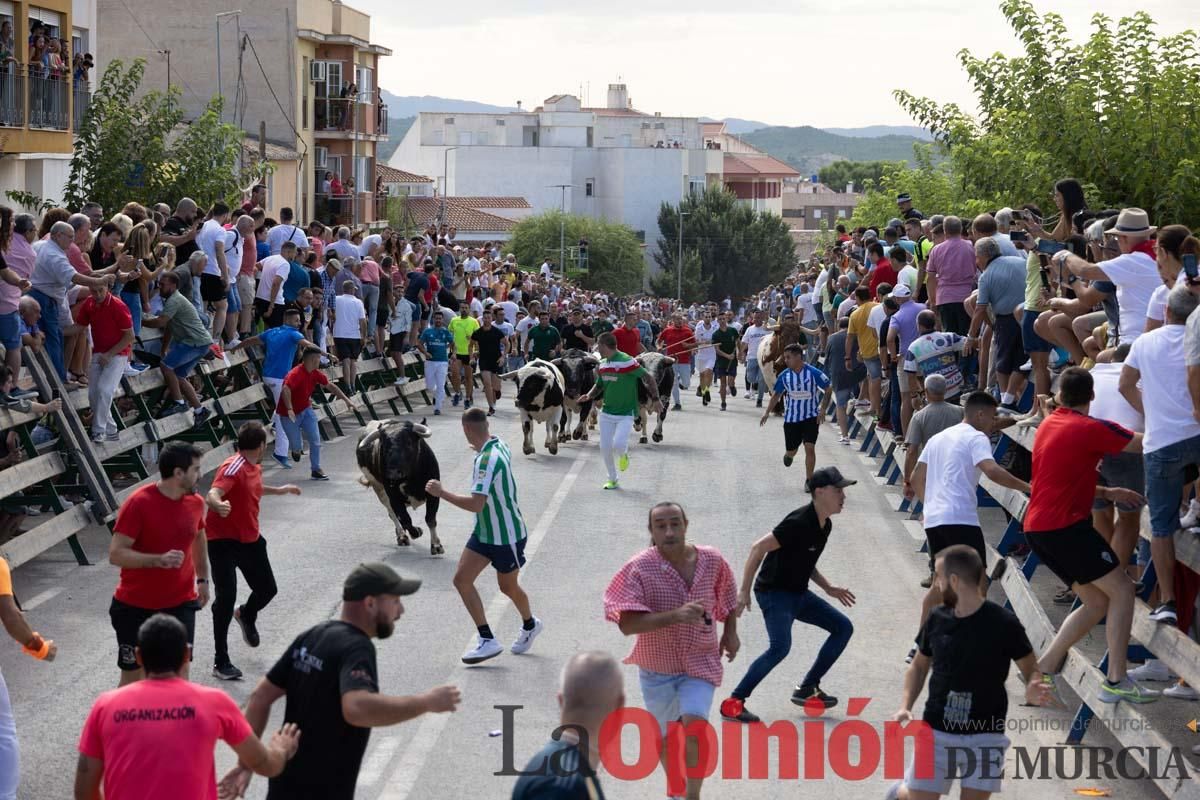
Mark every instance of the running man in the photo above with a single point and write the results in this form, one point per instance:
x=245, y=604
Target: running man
x=617, y=379
x=296, y=411
x=158, y=542
x=788, y=556
x=725, y=342
x=435, y=343
x=498, y=538
x=234, y=543
x=800, y=386
x=706, y=356
x=462, y=328
x=487, y=343
x=678, y=341
x=671, y=596
x=967, y=645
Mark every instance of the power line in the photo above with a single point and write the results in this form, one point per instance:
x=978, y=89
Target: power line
x=150, y=39
x=246, y=38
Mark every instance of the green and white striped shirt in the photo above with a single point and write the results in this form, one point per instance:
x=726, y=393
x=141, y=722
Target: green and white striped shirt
x=500, y=521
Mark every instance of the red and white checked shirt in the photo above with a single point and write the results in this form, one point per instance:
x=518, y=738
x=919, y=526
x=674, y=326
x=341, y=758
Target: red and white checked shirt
x=648, y=582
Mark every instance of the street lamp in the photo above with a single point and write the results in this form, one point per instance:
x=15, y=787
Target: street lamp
x=679, y=261
x=562, y=222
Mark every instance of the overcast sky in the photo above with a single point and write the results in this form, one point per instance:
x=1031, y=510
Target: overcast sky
x=789, y=62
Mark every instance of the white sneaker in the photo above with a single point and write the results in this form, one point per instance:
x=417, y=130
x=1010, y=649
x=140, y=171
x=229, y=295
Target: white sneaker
x=234, y=342
x=525, y=637
x=400, y=381
x=482, y=651
x=843, y=440
x=1192, y=517
x=1181, y=691
x=1152, y=670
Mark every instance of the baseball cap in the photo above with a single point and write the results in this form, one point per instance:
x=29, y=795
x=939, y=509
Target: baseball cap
x=375, y=578
x=902, y=290
x=828, y=476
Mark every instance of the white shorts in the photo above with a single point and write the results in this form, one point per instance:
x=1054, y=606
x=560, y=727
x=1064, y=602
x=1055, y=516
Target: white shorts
x=978, y=763
x=670, y=697
x=705, y=363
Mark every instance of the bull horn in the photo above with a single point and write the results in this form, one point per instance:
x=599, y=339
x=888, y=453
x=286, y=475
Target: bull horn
x=421, y=430
x=505, y=376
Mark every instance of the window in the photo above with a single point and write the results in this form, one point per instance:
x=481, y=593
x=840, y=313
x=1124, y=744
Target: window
x=816, y=213
x=696, y=186
x=841, y=212
x=796, y=213
x=464, y=137
x=590, y=136
x=448, y=121
x=362, y=169
x=51, y=20
x=364, y=78
x=79, y=41
x=589, y=187
x=499, y=123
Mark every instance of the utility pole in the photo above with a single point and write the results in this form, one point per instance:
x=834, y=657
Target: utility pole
x=218, y=30
x=562, y=223
x=679, y=261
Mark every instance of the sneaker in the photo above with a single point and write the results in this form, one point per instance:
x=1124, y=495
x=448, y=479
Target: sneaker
x=173, y=408
x=677, y=407
x=704, y=398
x=454, y=401
x=297, y=455
x=437, y=412
x=611, y=485
x=319, y=475
x=722, y=405
x=1128, y=690
x=400, y=381
x=623, y=462
x=1165, y=613
x=232, y=343
x=281, y=461
x=525, y=638
x=201, y=415
x=1065, y=597
x=491, y=411
x=862, y=403
x=1153, y=670
x=1181, y=691
x=803, y=694
x=998, y=570
x=843, y=440
x=226, y=672
x=466, y=404
x=98, y=438
x=787, y=460
x=1192, y=517
x=734, y=710
x=31, y=394
x=112, y=436
x=883, y=426
x=699, y=393
x=758, y=404
x=482, y=651
x=927, y=581
x=249, y=631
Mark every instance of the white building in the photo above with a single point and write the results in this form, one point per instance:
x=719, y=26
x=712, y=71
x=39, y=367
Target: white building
x=615, y=162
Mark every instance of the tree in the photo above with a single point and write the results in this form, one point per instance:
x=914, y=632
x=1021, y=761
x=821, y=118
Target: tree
x=741, y=250
x=934, y=189
x=1118, y=112
x=666, y=283
x=840, y=173
x=615, y=262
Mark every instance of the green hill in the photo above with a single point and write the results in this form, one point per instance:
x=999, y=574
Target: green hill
x=397, y=127
x=808, y=149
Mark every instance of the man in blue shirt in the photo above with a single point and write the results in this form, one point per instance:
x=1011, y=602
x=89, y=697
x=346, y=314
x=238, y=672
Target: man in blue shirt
x=1001, y=291
x=799, y=387
x=279, y=345
x=434, y=344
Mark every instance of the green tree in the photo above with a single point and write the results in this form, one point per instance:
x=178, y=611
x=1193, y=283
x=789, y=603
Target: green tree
x=666, y=283
x=741, y=250
x=934, y=188
x=840, y=173
x=615, y=261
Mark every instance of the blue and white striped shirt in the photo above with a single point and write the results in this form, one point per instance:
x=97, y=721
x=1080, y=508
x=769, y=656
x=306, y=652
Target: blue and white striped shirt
x=801, y=392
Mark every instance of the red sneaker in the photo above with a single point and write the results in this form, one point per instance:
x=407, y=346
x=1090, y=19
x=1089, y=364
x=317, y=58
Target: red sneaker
x=734, y=710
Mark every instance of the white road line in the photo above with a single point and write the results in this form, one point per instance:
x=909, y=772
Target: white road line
x=915, y=529
x=404, y=777
x=42, y=597
x=381, y=755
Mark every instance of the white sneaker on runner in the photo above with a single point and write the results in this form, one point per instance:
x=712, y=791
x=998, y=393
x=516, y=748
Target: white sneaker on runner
x=1181, y=691
x=482, y=651
x=1152, y=670
x=525, y=638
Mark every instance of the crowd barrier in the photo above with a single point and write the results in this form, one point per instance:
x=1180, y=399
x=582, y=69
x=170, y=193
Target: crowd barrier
x=1127, y=722
x=101, y=475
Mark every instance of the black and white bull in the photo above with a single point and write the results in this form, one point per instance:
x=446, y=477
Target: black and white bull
x=540, y=394
x=396, y=462
x=663, y=376
x=578, y=370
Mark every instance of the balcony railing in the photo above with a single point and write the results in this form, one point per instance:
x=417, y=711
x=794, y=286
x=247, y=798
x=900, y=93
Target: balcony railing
x=350, y=209
x=343, y=114
x=12, y=96
x=81, y=100
x=49, y=102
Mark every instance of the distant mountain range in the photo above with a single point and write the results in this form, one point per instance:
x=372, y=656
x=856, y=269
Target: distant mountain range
x=805, y=148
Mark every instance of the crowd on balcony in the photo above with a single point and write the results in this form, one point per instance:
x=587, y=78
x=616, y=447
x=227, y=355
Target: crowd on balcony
x=49, y=68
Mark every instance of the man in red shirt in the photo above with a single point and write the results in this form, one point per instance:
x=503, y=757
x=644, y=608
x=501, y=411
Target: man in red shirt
x=679, y=340
x=296, y=412
x=158, y=542
x=883, y=272
x=112, y=337
x=234, y=543
x=629, y=338
x=156, y=738
x=1058, y=527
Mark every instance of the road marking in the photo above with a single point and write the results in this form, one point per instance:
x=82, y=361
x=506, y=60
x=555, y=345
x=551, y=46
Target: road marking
x=42, y=597
x=915, y=529
x=404, y=777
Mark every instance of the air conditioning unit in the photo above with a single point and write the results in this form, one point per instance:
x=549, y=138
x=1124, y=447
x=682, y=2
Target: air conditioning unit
x=321, y=154
x=316, y=71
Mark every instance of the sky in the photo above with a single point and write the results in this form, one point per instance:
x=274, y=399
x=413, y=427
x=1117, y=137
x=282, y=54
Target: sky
x=827, y=63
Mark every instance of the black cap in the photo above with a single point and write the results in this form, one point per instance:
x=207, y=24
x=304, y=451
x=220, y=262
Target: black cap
x=376, y=578
x=828, y=476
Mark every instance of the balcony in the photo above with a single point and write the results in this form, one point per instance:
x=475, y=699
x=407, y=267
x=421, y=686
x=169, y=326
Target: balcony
x=36, y=101
x=356, y=209
x=343, y=118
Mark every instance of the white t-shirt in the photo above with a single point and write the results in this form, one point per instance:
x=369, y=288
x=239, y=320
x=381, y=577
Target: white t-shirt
x=545, y=270
x=471, y=264
x=510, y=311
x=876, y=317
x=952, y=460
x=1136, y=277
x=751, y=338
x=1157, y=309
x=909, y=275
x=272, y=266
x=349, y=312
x=1109, y=404
x=476, y=307
x=286, y=232
x=523, y=328
x=210, y=237
x=1158, y=356
x=233, y=252
x=365, y=248
x=846, y=306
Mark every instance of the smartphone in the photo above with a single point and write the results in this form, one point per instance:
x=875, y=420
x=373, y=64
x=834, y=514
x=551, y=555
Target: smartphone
x=1189, y=266
x=1019, y=236
x=1049, y=246
x=1045, y=279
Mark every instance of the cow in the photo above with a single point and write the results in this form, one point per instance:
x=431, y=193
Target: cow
x=770, y=351
x=540, y=394
x=663, y=376
x=578, y=369
x=396, y=462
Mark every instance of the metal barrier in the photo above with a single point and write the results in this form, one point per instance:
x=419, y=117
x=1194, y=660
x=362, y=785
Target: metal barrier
x=49, y=102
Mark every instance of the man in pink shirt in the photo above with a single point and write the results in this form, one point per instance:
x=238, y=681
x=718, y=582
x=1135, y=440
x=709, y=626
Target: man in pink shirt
x=951, y=280
x=16, y=265
x=670, y=596
x=155, y=738
x=245, y=277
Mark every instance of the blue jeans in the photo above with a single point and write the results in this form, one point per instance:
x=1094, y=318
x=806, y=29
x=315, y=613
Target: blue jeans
x=779, y=611
x=1165, y=481
x=133, y=301
x=754, y=377
x=54, y=335
x=305, y=426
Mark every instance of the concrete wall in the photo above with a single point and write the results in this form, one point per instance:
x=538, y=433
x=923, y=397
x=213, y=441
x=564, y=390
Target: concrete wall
x=42, y=174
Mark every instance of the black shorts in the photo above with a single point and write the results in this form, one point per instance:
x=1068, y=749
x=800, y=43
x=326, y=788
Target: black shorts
x=1010, y=352
x=260, y=311
x=942, y=536
x=725, y=369
x=803, y=432
x=494, y=367
x=126, y=620
x=1076, y=553
x=463, y=359
x=382, y=314
x=504, y=557
x=396, y=342
x=348, y=348
x=212, y=288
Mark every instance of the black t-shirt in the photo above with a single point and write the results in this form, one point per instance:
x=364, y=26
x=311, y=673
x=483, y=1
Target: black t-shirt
x=560, y=323
x=490, y=340
x=174, y=226
x=414, y=292
x=564, y=775
x=323, y=663
x=727, y=341
x=801, y=542
x=570, y=340
x=970, y=664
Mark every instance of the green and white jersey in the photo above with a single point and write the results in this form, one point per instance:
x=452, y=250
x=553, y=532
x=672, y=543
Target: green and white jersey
x=500, y=521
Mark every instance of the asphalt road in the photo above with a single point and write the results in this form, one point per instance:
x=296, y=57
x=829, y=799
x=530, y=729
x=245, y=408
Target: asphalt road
x=722, y=467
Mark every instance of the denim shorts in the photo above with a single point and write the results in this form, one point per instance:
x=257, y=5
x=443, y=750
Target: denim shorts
x=1165, y=477
x=183, y=358
x=874, y=368
x=669, y=697
x=10, y=331
x=1030, y=338
x=842, y=396
x=978, y=763
x=1121, y=471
